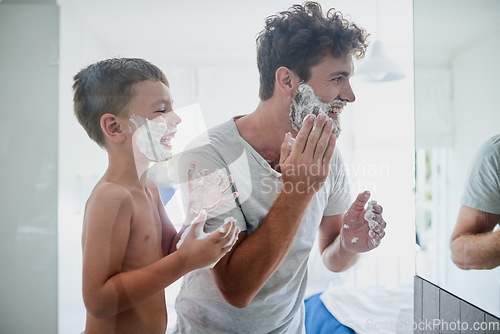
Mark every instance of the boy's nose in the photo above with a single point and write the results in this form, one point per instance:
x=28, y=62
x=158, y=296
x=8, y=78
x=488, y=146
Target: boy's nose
x=171, y=119
x=174, y=119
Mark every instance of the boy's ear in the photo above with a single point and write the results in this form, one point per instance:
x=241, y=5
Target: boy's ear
x=286, y=82
x=113, y=128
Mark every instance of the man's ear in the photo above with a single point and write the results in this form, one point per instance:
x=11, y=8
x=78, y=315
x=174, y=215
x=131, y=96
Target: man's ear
x=113, y=128
x=286, y=82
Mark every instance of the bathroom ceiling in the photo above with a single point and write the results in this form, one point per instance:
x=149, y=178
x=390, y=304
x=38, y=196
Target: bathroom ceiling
x=454, y=32
x=225, y=30
x=184, y=30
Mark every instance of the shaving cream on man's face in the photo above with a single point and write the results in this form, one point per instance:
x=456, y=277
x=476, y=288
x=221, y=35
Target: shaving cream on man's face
x=153, y=138
x=306, y=102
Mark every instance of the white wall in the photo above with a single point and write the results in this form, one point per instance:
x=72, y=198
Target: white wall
x=81, y=164
x=29, y=36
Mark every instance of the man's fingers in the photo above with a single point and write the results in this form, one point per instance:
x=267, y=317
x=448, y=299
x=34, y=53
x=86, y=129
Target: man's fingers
x=329, y=149
x=359, y=203
x=315, y=135
x=378, y=209
x=323, y=141
x=286, y=147
x=376, y=236
x=303, y=135
x=383, y=224
x=378, y=228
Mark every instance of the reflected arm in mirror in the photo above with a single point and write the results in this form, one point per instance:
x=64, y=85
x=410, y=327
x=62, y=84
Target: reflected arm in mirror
x=474, y=244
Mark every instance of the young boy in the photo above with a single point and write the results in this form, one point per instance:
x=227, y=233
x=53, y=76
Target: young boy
x=128, y=241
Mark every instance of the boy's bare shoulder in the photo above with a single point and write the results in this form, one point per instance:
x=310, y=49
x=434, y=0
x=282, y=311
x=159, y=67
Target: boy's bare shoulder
x=109, y=192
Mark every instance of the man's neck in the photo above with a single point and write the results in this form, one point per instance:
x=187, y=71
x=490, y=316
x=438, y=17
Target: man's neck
x=265, y=129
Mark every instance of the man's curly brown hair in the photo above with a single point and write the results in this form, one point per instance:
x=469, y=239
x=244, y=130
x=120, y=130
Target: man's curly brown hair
x=300, y=37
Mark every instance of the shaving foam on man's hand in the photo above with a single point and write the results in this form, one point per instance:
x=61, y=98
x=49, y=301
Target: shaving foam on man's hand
x=289, y=139
x=363, y=229
x=375, y=228
x=207, y=190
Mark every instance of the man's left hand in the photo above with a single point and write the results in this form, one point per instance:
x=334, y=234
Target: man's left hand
x=363, y=229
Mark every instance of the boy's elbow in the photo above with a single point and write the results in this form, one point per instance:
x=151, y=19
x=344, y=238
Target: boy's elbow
x=97, y=309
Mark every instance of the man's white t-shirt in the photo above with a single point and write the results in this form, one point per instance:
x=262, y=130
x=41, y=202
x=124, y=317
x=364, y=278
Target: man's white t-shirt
x=482, y=191
x=278, y=307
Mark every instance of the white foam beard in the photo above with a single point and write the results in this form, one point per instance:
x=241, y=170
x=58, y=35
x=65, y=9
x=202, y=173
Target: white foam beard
x=306, y=102
x=151, y=137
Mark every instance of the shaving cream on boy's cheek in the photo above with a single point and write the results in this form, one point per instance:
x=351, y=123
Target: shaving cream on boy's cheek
x=306, y=102
x=152, y=138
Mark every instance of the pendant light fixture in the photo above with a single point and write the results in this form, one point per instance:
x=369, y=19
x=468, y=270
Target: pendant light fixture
x=379, y=67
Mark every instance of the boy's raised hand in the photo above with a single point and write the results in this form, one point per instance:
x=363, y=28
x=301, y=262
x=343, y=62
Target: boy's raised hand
x=200, y=249
x=206, y=191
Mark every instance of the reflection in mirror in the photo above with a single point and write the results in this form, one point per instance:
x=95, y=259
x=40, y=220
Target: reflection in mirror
x=456, y=85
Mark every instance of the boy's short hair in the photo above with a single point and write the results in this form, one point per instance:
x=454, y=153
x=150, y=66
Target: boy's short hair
x=107, y=87
x=300, y=37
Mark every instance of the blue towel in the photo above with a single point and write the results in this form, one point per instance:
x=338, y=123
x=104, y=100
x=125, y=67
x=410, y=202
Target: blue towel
x=319, y=320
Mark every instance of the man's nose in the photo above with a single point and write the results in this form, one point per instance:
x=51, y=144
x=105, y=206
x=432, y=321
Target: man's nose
x=347, y=93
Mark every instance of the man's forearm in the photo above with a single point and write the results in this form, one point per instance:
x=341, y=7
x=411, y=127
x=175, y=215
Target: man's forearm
x=337, y=258
x=241, y=275
x=476, y=251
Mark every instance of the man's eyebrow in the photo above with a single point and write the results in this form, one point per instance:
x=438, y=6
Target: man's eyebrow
x=334, y=74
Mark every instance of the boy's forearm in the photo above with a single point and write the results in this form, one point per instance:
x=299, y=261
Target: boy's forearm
x=176, y=239
x=126, y=289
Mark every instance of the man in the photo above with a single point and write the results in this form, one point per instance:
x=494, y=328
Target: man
x=287, y=189
x=474, y=242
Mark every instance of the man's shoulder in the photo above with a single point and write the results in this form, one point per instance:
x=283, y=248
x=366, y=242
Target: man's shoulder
x=219, y=135
x=494, y=144
x=218, y=141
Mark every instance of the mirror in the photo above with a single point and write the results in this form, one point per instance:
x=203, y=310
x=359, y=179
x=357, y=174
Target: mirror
x=456, y=83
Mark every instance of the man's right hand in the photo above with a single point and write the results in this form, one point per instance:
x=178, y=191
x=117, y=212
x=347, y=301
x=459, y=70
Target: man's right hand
x=305, y=164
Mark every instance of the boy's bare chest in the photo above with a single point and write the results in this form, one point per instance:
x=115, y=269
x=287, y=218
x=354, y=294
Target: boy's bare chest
x=144, y=244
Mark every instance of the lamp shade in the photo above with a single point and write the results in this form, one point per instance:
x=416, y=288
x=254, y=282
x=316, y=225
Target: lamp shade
x=378, y=67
